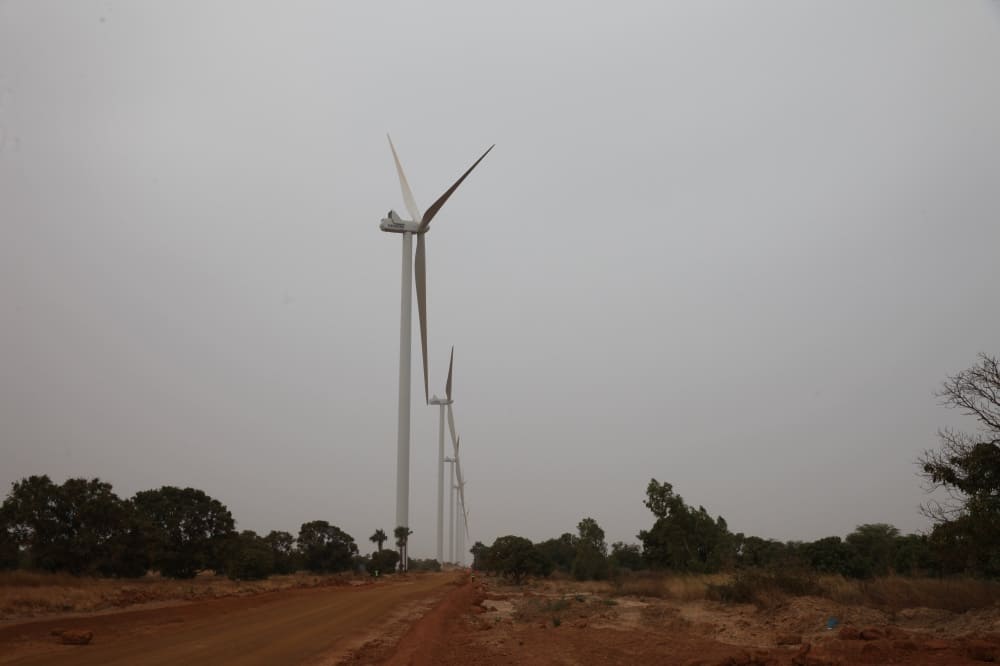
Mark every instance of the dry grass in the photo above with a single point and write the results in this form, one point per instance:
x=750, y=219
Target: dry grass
x=769, y=590
x=29, y=594
x=641, y=584
x=896, y=592
x=668, y=586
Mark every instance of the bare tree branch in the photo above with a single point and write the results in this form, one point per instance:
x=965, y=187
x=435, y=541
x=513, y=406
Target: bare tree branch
x=967, y=466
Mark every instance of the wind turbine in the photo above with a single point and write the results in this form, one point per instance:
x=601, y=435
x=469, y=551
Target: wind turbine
x=441, y=459
x=456, y=543
x=419, y=225
x=457, y=485
x=451, y=511
x=456, y=473
x=460, y=487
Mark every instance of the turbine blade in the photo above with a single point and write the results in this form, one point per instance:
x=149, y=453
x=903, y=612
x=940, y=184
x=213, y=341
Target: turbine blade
x=465, y=514
x=411, y=203
x=461, y=496
x=420, y=272
x=447, y=387
x=436, y=206
x=451, y=428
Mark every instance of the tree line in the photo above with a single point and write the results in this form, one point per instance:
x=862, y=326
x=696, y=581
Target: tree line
x=965, y=538
x=685, y=539
x=82, y=527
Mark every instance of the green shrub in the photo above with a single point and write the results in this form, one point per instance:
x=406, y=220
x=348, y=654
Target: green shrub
x=384, y=562
x=250, y=558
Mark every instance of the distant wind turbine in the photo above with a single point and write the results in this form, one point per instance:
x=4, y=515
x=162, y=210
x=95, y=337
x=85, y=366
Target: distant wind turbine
x=452, y=488
x=460, y=487
x=442, y=403
x=419, y=225
x=455, y=540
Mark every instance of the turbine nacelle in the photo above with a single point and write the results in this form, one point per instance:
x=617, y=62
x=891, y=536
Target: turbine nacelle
x=394, y=224
x=438, y=401
x=419, y=226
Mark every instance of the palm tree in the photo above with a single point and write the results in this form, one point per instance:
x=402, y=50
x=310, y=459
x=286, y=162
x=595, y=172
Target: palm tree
x=379, y=537
x=402, y=535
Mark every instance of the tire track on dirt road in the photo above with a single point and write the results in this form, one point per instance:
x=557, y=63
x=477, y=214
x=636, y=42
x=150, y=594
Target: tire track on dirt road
x=285, y=627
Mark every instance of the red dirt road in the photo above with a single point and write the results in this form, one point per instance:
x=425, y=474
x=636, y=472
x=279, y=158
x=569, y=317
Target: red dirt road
x=302, y=626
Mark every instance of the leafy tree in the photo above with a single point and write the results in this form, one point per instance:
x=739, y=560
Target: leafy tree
x=379, y=538
x=282, y=545
x=875, y=544
x=250, y=557
x=591, y=534
x=188, y=530
x=969, y=543
x=753, y=551
x=33, y=521
x=589, y=564
x=560, y=552
x=326, y=547
x=383, y=561
x=81, y=526
x=625, y=556
x=835, y=556
x=516, y=557
x=914, y=557
x=967, y=466
x=684, y=538
x=590, y=560
x=402, y=535
x=128, y=550
x=9, y=550
x=480, y=556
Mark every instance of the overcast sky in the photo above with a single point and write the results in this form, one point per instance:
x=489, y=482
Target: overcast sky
x=734, y=246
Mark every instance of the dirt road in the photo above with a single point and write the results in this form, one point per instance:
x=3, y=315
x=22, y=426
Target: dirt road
x=306, y=626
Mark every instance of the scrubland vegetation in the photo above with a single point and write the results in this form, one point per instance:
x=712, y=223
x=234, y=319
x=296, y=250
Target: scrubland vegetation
x=955, y=566
x=82, y=527
x=769, y=589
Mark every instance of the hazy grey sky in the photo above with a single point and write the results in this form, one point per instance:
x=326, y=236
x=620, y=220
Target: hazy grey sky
x=732, y=245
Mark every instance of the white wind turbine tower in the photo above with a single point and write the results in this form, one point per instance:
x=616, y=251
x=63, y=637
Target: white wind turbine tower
x=460, y=491
x=419, y=225
x=457, y=484
x=451, y=511
x=442, y=403
x=457, y=488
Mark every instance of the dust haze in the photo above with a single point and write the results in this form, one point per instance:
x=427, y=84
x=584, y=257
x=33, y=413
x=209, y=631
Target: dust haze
x=731, y=246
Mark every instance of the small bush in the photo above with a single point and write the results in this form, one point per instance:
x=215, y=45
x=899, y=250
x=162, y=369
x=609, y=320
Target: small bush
x=763, y=588
x=383, y=562
x=416, y=565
